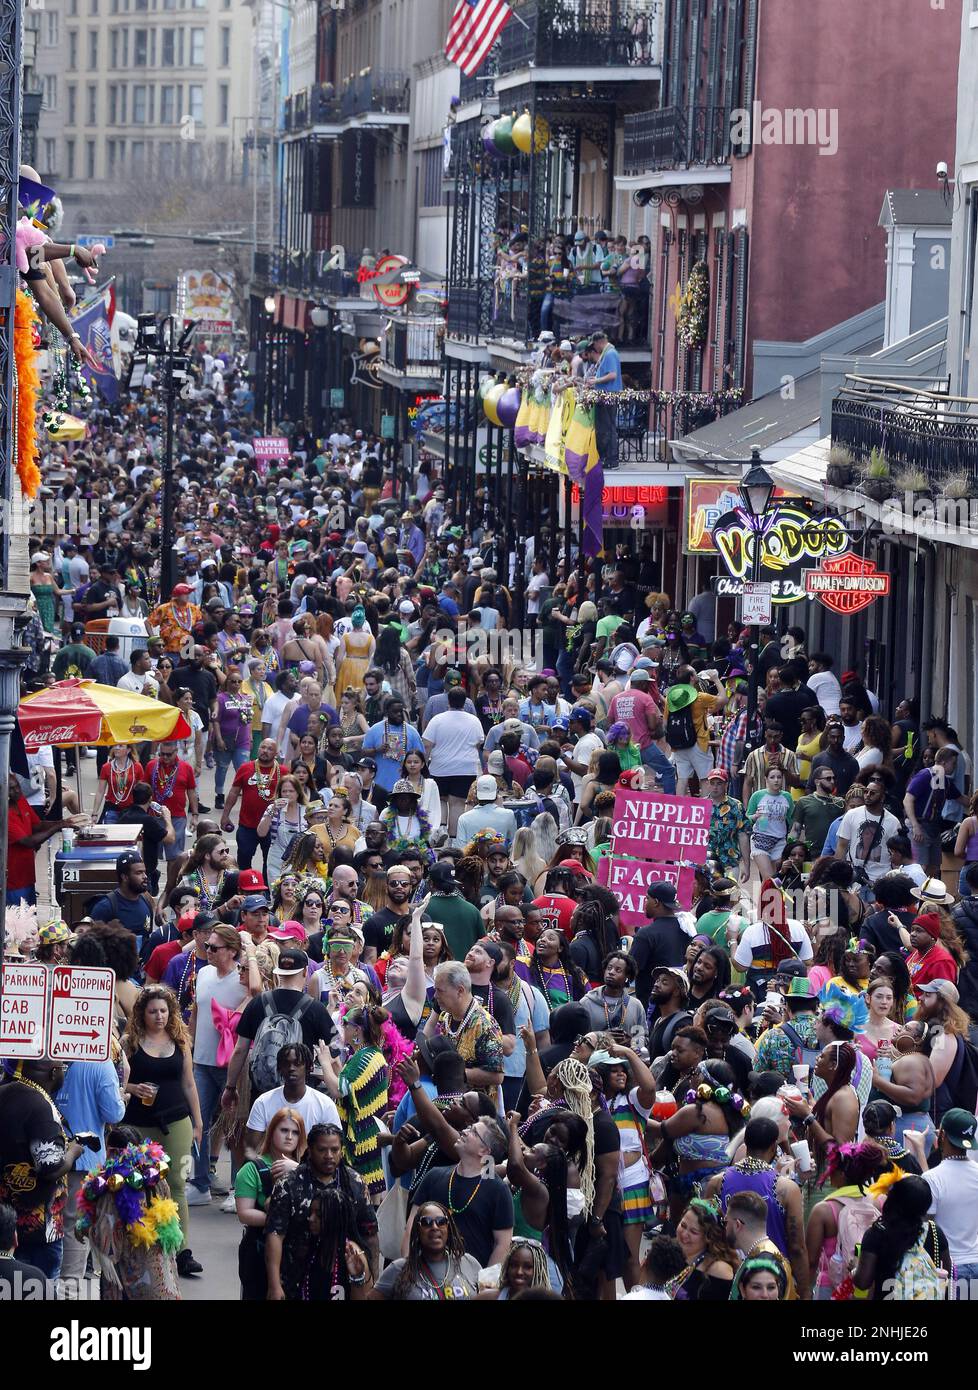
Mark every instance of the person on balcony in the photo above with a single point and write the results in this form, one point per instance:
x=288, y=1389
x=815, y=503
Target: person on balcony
x=559, y=271
x=607, y=377
x=586, y=258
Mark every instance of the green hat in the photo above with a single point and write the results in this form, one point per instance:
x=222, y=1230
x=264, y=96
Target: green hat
x=800, y=987
x=679, y=696
x=958, y=1127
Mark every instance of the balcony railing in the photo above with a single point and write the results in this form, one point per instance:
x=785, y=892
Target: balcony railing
x=480, y=84
x=318, y=105
x=300, y=273
x=923, y=431
x=580, y=33
x=388, y=92
x=413, y=346
x=676, y=137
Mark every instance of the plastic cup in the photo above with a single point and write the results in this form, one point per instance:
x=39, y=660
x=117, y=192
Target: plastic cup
x=665, y=1105
x=150, y=1099
x=800, y=1071
x=802, y=1155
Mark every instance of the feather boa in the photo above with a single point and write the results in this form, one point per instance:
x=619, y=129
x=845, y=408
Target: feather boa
x=395, y=1048
x=28, y=385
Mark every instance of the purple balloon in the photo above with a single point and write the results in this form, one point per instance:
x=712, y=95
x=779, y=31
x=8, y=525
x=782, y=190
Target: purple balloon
x=508, y=407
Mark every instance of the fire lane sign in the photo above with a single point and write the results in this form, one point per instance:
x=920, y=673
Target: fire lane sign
x=80, y=1014
x=23, y=997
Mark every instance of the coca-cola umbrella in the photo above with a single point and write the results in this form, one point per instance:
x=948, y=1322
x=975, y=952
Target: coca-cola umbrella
x=76, y=712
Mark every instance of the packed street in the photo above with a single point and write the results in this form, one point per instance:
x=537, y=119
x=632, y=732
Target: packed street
x=490, y=721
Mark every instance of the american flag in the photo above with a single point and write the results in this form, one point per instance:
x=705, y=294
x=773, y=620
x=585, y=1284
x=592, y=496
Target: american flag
x=475, y=26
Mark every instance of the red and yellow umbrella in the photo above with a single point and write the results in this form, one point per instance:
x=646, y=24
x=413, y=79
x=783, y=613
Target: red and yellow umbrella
x=74, y=712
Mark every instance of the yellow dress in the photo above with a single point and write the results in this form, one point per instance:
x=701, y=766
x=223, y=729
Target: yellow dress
x=806, y=750
x=356, y=649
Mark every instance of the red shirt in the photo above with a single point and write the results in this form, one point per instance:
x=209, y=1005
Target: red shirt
x=185, y=781
x=22, y=820
x=556, y=911
x=635, y=708
x=253, y=802
x=120, y=787
x=937, y=963
x=519, y=770
x=160, y=959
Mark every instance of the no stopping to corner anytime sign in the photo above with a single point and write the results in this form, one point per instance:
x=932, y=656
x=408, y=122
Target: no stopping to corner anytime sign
x=64, y=1012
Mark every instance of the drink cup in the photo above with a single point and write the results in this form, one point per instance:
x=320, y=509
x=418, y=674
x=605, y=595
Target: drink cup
x=800, y=1071
x=665, y=1105
x=150, y=1099
x=802, y=1155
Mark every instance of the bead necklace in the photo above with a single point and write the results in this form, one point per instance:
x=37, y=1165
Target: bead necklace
x=163, y=791
x=607, y=1015
x=754, y=1165
x=193, y=982
x=395, y=745
x=264, y=781
x=42, y=1092
x=455, y=1030
x=545, y=970
x=186, y=620
x=457, y=1211
x=677, y=1281
x=427, y=1160
x=427, y=1277
x=120, y=785
x=208, y=897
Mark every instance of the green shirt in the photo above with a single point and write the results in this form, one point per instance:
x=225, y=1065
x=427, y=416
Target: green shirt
x=812, y=818
x=248, y=1182
x=609, y=624
x=462, y=922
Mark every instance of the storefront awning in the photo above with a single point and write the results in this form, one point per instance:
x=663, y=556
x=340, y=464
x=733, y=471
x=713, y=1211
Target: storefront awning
x=803, y=472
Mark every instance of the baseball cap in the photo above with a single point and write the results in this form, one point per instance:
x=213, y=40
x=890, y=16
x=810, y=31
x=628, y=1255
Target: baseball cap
x=511, y=726
x=366, y=762
x=486, y=789
x=181, y=589
x=582, y=715
x=580, y=236
x=250, y=881
x=129, y=856
x=944, y=988
x=717, y=775
x=292, y=961
x=453, y=677
x=664, y=893
x=958, y=1127
x=405, y=607
x=441, y=876
x=289, y=931
x=676, y=973
x=254, y=902
x=640, y=674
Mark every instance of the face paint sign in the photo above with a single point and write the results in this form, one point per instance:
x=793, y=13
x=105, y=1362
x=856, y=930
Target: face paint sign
x=630, y=880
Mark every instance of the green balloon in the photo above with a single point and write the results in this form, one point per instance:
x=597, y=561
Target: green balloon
x=502, y=136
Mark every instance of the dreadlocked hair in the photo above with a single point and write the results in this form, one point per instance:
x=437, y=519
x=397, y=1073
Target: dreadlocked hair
x=470, y=871
x=591, y=916
x=337, y=1225
x=950, y=938
x=845, y=1065
x=576, y=1082
x=541, y=1270
x=554, y=1178
x=410, y=1274
x=859, y=1164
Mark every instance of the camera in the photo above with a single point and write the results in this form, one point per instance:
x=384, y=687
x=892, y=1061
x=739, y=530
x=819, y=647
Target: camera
x=941, y=170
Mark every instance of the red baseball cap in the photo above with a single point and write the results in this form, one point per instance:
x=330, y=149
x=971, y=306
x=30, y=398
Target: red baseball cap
x=717, y=775
x=250, y=881
x=181, y=589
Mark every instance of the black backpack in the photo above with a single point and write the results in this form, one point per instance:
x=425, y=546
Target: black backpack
x=960, y=1087
x=680, y=729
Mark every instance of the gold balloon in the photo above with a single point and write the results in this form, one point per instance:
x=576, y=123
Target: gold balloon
x=491, y=400
x=530, y=135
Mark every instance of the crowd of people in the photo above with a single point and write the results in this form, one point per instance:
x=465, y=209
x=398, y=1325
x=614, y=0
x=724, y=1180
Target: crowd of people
x=380, y=970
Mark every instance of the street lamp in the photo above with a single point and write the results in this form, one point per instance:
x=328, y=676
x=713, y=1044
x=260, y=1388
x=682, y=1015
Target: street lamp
x=756, y=490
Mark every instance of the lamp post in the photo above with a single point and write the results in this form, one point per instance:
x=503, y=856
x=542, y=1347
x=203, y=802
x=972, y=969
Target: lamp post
x=756, y=489
x=319, y=318
x=271, y=360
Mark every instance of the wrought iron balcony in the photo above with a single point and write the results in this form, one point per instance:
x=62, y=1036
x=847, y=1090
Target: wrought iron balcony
x=919, y=430
x=676, y=137
x=413, y=347
x=580, y=33
x=318, y=105
x=480, y=84
x=387, y=92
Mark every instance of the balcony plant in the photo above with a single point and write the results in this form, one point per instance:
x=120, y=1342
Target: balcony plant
x=876, y=481
x=957, y=486
x=841, y=470
x=912, y=480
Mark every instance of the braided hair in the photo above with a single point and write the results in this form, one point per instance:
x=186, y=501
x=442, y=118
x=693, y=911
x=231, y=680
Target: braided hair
x=410, y=1273
x=845, y=1065
x=575, y=1080
x=541, y=1270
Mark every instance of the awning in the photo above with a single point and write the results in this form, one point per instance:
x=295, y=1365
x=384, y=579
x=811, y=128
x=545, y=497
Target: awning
x=804, y=472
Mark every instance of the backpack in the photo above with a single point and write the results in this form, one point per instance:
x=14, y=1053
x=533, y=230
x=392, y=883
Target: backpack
x=680, y=729
x=276, y=1030
x=808, y=1055
x=856, y=1215
x=918, y=1279
x=960, y=1087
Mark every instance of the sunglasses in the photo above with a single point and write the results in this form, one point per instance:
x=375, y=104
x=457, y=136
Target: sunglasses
x=426, y=1222
x=219, y=947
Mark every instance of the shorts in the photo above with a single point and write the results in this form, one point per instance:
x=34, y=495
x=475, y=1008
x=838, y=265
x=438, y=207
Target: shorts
x=693, y=760
x=454, y=786
x=637, y=1208
x=929, y=851
x=766, y=844
x=175, y=850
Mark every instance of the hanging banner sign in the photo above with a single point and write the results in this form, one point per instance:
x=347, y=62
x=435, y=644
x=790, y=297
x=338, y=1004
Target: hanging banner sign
x=271, y=448
x=653, y=826
x=847, y=585
x=630, y=880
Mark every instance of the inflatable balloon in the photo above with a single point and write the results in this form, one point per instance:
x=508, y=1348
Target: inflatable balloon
x=490, y=402
x=508, y=406
x=488, y=143
x=530, y=135
x=485, y=386
x=502, y=135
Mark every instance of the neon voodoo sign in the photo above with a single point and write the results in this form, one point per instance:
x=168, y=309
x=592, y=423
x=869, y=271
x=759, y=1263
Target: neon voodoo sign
x=788, y=535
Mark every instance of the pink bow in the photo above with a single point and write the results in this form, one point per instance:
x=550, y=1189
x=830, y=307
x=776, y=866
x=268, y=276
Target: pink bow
x=226, y=1023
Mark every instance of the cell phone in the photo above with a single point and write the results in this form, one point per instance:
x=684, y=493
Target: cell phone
x=89, y=1140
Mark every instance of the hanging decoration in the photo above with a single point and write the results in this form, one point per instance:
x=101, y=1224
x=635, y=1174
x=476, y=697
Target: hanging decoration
x=692, y=321
x=490, y=402
x=134, y=1178
x=508, y=406
x=530, y=136
x=502, y=136
x=693, y=400
x=28, y=385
